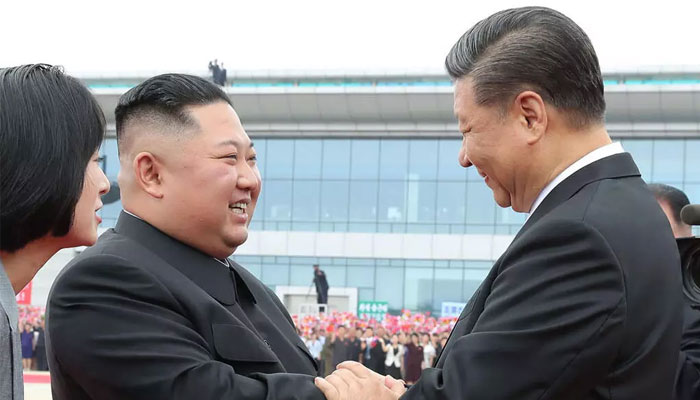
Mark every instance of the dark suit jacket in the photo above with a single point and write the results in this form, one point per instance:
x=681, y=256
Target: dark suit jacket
x=143, y=316
x=688, y=373
x=584, y=304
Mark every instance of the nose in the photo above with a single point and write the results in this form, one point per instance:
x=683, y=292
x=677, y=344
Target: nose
x=247, y=178
x=104, y=183
x=463, y=157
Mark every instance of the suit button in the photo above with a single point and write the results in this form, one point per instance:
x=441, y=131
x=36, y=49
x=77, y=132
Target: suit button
x=268, y=344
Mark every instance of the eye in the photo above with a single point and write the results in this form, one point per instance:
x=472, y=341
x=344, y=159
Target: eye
x=253, y=158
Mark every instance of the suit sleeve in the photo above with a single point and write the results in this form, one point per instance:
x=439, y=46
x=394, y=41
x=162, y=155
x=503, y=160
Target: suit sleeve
x=550, y=327
x=121, y=335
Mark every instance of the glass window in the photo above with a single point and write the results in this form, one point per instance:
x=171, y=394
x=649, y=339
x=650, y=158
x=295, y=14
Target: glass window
x=472, y=281
x=334, y=200
x=420, y=204
x=393, y=160
x=392, y=201
x=307, y=159
x=278, y=158
x=418, y=289
x=366, y=294
x=360, y=276
x=692, y=190
x=422, y=161
x=110, y=213
x=111, y=155
x=692, y=161
x=365, y=159
x=641, y=151
x=451, y=199
x=335, y=275
x=510, y=217
x=363, y=201
x=485, y=265
x=336, y=159
x=277, y=199
x=447, y=286
x=481, y=206
x=275, y=274
x=255, y=269
x=668, y=161
x=306, y=200
x=260, y=151
x=305, y=226
x=301, y=275
x=448, y=161
x=391, y=289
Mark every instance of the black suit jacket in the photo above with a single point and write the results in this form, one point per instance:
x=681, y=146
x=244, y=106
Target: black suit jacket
x=584, y=304
x=143, y=316
x=688, y=373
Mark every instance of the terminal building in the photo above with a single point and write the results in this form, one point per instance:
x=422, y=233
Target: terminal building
x=360, y=176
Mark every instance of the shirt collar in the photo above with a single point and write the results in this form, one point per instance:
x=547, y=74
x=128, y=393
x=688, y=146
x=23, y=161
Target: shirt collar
x=590, y=158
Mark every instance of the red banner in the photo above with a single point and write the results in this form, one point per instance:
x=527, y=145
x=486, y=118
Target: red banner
x=25, y=296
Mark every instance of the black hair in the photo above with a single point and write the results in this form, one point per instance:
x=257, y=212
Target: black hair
x=675, y=198
x=163, y=99
x=532, y=48
x=50, y=127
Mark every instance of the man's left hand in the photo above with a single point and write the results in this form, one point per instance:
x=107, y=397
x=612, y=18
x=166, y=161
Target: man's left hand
x=352, y=381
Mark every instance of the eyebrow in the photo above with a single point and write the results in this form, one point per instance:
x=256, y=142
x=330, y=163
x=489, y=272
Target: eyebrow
x=232, y=142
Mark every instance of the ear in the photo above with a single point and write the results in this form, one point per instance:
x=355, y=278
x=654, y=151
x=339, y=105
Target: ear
x=148, y=174
x=530, y=111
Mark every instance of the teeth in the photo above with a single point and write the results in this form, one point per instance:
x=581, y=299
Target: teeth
x=238, y=208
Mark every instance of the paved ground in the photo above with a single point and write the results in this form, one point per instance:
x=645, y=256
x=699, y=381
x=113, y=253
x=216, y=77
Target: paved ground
x=37, y=386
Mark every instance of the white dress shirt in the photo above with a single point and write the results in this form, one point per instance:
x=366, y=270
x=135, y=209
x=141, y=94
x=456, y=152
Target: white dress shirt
x=590, y=158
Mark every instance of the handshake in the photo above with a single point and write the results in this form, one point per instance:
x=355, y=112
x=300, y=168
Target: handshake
x=353, y=380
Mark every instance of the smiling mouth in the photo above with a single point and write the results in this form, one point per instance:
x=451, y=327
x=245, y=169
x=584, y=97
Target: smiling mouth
x=238, y=208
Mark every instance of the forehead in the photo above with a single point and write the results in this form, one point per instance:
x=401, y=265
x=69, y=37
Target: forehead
x=219, y=122
x=463, y=97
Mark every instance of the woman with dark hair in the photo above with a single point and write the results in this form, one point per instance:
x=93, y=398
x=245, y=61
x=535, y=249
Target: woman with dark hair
x=51, y=129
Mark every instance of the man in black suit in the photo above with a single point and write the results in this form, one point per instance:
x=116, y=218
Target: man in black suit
x=586, y=301
x=672, y=200
x=321, y=284
x=156, y=310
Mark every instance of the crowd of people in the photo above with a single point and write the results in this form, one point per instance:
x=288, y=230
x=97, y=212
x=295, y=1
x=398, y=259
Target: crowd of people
x=400, y=346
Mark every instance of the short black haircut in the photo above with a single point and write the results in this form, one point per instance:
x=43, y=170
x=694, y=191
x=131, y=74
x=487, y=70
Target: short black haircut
x=50, y=127
x=532, y=48
x=163, y=100
x=675, y=198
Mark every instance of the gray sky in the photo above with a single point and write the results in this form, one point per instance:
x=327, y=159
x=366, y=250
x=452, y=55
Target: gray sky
x=157, y=36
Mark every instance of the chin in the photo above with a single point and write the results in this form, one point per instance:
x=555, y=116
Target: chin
x=238, y=239
x=502, y=201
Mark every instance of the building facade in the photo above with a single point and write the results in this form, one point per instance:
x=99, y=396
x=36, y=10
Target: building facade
x=360, y=175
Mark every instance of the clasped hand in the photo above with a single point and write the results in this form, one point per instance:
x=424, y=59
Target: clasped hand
x=353, y=381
